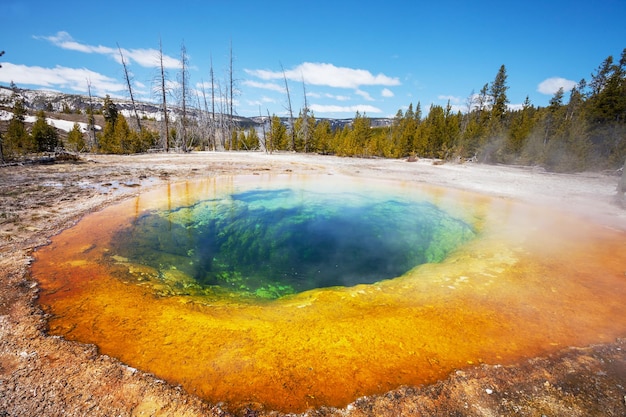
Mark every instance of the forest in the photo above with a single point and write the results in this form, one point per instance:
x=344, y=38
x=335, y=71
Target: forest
x=581, y=129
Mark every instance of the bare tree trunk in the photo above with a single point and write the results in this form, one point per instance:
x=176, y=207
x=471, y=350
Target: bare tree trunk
x=130, y=88
x=264, y=133
x=206, y=122
x=305, y=119
x=231, y=124
x=163, y=98
x=213, y=130
x=91, y=119
x=293, y=131
x=223, y=122
x=184, y=80
x=271, y=133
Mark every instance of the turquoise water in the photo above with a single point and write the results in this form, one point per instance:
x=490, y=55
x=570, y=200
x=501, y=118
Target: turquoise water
x=269, y=243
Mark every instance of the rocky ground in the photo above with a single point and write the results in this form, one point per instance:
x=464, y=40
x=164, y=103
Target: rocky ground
x=42, y=375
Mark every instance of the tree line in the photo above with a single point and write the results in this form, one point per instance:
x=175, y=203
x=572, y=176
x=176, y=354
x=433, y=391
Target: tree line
x=580, y=129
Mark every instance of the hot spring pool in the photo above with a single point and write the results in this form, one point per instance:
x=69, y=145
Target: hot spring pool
x=294, y=291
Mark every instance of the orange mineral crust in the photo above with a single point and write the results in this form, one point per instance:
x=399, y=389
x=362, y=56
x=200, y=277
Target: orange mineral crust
x=534, y=280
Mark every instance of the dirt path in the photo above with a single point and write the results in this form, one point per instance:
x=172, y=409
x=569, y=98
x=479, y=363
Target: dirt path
x=48, y=376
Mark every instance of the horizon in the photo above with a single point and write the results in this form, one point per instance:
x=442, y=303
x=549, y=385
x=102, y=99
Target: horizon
x=352, y=59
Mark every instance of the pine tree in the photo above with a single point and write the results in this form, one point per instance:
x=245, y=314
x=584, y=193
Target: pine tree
x=304, y=126
x=277, y=135
x=124, y=137
x=521, y=127
x=17, y=141
x=436, y=124
x=248, y=141
x=43, y=134
x=109, y=111
x=75, y=139
x=499, y=98
x=323, y=138
x=606, y=111
x=360, y=136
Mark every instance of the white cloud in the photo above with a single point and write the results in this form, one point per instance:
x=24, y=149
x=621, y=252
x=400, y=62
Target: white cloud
x=451, y=99
x=265, y=86
x=361, y=108
x=552, y=85
x=59, y=77
x=65, y=41
x=263, y=101
x=364, y=94
x=327, y=75
x=148, y=58
x=337, y=97
x=386, y=93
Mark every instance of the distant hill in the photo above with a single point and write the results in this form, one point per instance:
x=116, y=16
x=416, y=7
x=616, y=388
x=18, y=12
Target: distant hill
x=63, y=103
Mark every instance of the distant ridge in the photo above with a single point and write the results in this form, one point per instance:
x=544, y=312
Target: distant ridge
x=35, y=100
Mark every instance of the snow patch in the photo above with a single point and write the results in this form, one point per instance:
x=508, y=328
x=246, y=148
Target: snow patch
x=65, y=125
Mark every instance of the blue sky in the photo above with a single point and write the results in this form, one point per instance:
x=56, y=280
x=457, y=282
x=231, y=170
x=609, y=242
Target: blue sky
x=374, y=57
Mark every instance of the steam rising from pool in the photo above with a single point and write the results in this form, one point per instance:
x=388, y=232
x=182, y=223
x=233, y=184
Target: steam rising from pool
x=239, y=288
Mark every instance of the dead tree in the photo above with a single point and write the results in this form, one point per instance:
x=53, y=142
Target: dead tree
x=305, y=133
x=184, y=87
x=163, y=96
x=264, y=133
x=213, y=130
x=91, y=120
x=127, y=77
x=231, y=123
x=222, y=126
x=293, y=131
x=205, y=120
x=269, y=118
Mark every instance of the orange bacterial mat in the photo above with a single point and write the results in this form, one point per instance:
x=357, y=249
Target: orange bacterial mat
x=533, y=281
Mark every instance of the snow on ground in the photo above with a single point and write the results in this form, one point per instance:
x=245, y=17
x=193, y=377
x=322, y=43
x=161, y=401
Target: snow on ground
x=64, y=125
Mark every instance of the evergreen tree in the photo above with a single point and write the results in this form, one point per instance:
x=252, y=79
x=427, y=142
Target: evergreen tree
x=304, y=126
x=43, y=134
x=124, y=138
x=249, y=140
x=406, y=141
x=606, y=111
x=109, y=111
x=452, y=132
x=521, y=127
x=555, y=115
x=358, y=137
x=437, y=134
x=277, y=135
x=397, y=136
x=107, y=141
x=323, y=138
x=499, y=98
x=75, y=139
x=17, y=141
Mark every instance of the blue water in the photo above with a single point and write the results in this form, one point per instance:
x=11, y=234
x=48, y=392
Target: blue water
x=273, y=242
